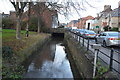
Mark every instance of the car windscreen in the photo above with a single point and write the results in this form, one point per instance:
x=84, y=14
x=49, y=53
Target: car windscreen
x=114, y=34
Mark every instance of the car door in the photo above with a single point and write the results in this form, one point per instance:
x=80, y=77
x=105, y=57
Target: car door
x=101, y=37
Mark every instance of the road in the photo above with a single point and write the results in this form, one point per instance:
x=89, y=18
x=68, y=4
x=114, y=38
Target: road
x=106, y=51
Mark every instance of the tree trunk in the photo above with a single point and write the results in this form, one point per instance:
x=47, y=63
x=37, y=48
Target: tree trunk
x=28, y=22
x=38, y=25
x=18, y=29
x=27, y=30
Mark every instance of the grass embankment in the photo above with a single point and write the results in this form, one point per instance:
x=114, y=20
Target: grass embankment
x=13, y=48
x=9, y=39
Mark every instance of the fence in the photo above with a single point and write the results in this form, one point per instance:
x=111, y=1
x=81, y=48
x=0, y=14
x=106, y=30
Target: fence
x=110, y=59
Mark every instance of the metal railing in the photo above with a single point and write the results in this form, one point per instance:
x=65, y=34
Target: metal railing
x=110, y=57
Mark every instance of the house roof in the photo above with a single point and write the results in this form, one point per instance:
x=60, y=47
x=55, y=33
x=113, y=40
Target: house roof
x=87, y=18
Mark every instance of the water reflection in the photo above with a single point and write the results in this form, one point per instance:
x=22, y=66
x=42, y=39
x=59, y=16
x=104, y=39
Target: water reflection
x=51, y=62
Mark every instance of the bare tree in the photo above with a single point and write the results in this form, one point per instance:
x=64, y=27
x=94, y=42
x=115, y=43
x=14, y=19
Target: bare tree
x=28, y=21
x=39, y=9
x=66, y=7
x=19, y=8
x=38, y=13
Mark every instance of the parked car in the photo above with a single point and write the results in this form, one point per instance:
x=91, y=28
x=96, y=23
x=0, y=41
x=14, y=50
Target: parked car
x=81, y=31
x=68, y=28
x=108, y=38
x=89, y=34
x=75, y=30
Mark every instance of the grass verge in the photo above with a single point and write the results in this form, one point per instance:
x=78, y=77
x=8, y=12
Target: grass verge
x=12, y=51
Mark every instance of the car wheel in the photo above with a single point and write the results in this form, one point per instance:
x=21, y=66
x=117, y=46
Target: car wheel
x=104, y=44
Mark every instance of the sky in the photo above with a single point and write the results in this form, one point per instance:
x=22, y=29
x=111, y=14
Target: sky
x=6, y=6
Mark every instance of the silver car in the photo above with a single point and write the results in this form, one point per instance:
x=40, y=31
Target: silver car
x=108, y=38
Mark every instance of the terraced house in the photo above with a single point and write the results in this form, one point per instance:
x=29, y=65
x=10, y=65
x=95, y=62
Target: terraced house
x=109, y=17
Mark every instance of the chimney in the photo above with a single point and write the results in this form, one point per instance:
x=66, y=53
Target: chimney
x=107, y=7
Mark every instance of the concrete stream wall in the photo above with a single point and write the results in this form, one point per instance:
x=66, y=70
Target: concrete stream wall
x=83, y=64
x=77, y=52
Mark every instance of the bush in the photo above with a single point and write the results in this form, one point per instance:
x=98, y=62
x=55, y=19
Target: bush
x=24, y=24
x=7, y=23
x=13, y=70
x=33, y=24
x=106, y=28
x=114, y=29
x=7, y=52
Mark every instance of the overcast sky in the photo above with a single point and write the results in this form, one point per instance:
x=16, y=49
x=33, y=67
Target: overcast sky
x=6, y=6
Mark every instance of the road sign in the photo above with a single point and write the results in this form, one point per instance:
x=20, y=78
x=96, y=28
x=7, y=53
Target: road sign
x=97, y=26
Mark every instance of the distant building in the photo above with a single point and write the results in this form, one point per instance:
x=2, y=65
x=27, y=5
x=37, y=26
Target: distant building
x=72, y=23
x=55, y=22
x=102, y=17
x=5, y=15
x=81, y=24
x=48, y=18
x=114, y=18
x=13, y=16
x=89, y=25
x=109, y=17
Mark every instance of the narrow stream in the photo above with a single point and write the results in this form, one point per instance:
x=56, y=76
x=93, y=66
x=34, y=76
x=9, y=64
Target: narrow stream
x=50, y=62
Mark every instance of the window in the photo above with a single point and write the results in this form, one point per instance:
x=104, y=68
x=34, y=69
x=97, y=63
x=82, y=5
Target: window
x=103, y=34
x=119, y=25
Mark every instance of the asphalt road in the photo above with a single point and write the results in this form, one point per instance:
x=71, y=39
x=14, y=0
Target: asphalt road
x=106, y=51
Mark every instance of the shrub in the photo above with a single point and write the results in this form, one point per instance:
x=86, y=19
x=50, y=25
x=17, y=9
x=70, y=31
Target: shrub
x=24, y=24
x=106, y=28
x=33, y=24
x=114, y=29
x=101, y=69
x=13, y=70
x=7, y=52
x=7, y=23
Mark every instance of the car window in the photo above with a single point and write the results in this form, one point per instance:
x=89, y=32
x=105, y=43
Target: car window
x=113, y=34
x=103, y=34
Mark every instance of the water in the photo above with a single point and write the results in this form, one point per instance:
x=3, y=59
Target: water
x=50, y=62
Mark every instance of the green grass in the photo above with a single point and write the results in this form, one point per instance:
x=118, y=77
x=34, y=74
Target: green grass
x=0, y=35
x=12, y=32
x=9, y=39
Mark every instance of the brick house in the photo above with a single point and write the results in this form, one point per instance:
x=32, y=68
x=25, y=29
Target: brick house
x=82, y=22
x=47, y=17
